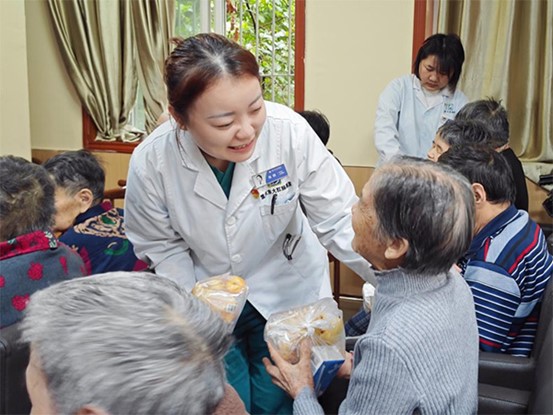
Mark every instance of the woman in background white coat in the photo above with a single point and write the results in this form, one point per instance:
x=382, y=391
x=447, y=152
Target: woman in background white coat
x=412, y=107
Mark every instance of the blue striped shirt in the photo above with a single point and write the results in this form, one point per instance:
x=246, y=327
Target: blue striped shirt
x=507, y=268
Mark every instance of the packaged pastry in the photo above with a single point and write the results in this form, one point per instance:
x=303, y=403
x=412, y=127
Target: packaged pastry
x=226, y=294
x=321, y=322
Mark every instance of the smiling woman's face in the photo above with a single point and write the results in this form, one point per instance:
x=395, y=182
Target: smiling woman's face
x=226, y=120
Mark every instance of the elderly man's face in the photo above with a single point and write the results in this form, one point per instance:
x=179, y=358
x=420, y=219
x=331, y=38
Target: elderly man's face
x=364, y=224
x=37, y=388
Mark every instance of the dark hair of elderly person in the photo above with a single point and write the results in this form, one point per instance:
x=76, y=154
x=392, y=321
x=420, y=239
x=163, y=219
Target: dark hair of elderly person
x=125, y=343
x=490, y=112
x=319, y=122
x=80, y=181
x=93, y=227
x=493, y=114
x=413, y=220
x=31, y=258
x=507, y=265
x=481, y=164
x=458, y=132
x=26, y=198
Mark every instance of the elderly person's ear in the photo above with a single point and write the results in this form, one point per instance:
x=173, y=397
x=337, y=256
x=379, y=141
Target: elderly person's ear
x=85, y=197
x=396, y=249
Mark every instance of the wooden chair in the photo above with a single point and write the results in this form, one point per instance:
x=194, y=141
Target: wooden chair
x=336, y=286
x=117, y=192
x=14, y=357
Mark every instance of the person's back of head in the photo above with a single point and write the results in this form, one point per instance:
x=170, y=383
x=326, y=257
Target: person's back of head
x=427, y=205
x=26, y=198
x=465, y=132
x=126, y=343
x=450, y=55
x=77, y=170
x=483, y=165
x=319, y=123
x=491, y=113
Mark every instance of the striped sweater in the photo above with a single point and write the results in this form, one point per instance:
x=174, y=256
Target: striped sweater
x=507, y=268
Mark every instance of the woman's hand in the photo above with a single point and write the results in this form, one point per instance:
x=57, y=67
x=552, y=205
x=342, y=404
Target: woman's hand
x=292, y=378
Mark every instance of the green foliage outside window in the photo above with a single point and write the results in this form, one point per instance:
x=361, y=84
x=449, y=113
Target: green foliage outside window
x=264, y=27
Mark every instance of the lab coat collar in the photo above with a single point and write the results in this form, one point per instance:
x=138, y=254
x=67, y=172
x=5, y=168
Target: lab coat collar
x=206, y=185
x=241, y=181
x=419, y=93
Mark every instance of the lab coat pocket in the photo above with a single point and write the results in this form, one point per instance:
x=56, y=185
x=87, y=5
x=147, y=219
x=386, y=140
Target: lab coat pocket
x=276, y=217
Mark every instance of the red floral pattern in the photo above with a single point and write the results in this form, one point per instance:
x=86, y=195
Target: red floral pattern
x=31, y=242
x=19, y=302
x=2, y=281
x=35, y=271
x=63, y=262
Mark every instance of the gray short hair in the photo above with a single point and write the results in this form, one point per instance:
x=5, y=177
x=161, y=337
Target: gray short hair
x=129, y=343
x=26, y=198
x=430, y=206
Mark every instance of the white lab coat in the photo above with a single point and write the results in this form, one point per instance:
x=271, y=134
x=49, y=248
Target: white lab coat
x=404, y=124
x=180, y=221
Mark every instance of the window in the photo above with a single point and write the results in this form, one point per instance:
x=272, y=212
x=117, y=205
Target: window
x=273, y=30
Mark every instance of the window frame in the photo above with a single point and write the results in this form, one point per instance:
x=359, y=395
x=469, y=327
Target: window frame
x=90, y=131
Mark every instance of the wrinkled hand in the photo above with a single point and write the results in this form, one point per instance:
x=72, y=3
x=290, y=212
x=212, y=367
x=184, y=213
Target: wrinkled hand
x=345, y=370
x=292, y=378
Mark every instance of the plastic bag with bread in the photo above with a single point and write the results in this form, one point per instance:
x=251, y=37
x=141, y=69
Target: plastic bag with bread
x=320, y=321
x=225, y=294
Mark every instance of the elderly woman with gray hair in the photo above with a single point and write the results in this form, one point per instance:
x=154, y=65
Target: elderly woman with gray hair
x=420, y=352
x=31, y=257
x=126, y=343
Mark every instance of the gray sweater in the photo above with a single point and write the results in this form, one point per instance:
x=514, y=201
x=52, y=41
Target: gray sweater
x=420, y=352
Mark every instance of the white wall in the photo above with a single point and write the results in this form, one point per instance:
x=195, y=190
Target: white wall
x=353, y=49
x=15, y=135
x=55, y=110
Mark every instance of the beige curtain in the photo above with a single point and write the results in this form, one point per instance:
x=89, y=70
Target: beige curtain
x=509, y=56
x=154, y=22
x=97, y=44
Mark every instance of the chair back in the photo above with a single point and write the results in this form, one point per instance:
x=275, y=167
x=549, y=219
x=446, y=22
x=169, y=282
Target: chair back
x=116, y=193
x=14, y=357
x=546, y=316
x=541, y=399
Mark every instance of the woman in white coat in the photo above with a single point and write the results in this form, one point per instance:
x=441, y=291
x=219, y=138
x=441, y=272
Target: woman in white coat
x=234, y=184
x=412, y=107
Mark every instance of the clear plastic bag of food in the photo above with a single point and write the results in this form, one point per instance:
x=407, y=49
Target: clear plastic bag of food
x=323, y=324
x=226, y=294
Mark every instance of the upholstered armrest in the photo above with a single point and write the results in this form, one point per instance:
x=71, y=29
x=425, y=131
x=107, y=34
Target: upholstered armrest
x=506, y=370
x=350, y=343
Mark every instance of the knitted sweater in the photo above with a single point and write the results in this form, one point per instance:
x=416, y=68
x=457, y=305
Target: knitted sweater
x=420, y=352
